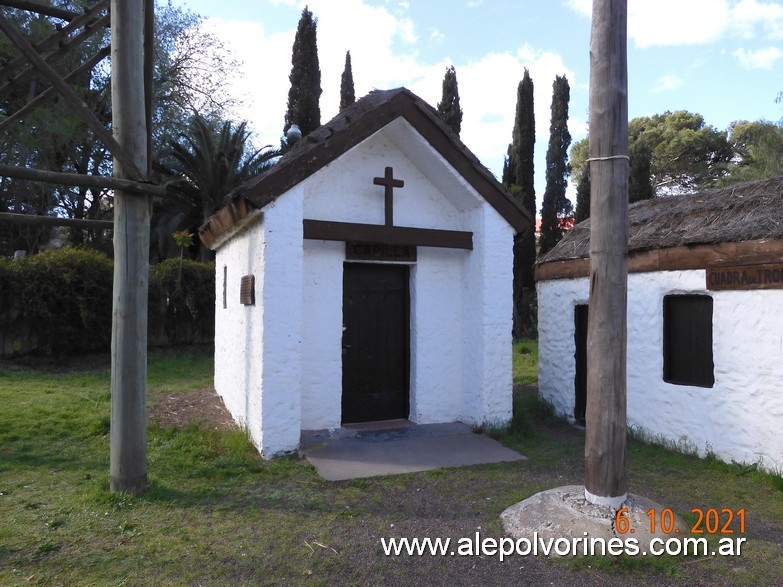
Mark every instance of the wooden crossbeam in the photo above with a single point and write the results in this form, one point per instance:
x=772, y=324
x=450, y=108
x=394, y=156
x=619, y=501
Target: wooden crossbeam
x=87, y=181
x=40, y=9
x=391, y=235
x=64, y=48
x=70, y=96
x=43, y=96
x=36, y=220
x=58, y=37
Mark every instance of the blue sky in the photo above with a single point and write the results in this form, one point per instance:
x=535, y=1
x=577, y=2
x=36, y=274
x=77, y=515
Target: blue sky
x=721, y=58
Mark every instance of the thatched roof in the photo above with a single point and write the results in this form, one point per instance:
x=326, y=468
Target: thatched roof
x=346, y=130
x=741, y=212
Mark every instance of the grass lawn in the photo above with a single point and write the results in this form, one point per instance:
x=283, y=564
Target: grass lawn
x=216, y=514
x=525, y=362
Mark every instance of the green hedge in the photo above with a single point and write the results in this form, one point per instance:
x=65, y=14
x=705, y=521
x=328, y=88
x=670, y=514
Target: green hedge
x=182, y=302
x=60, y=301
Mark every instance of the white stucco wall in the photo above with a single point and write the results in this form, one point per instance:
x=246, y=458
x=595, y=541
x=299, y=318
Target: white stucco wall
x=737, y=419
x=487, y=322
x=453, y=376
x=323, y=332
x=258, y=360
x=283, y=374
x=436, y=309
x=239, y=329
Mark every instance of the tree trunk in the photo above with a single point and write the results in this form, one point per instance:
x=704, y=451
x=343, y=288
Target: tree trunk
x=128, y=466
x=605, y=442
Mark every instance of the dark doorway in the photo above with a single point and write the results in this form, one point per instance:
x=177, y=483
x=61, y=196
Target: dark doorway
x=376, y=342
x=580, y=356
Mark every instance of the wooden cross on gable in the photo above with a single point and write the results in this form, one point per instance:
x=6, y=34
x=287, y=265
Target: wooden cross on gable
x=386, y=233
x=389, y=184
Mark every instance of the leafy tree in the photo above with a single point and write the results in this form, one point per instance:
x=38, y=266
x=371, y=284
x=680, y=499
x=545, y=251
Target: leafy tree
x=518, y=178
x=209, y=160
x=640, y=185
x=685, y=153
x=189, y=74
x=757, y=149
x=187, y=77
x=448, y=107
x=305, y=93
x=639, y=178
x=556, y=207
x=52, y=136
x=347, y=95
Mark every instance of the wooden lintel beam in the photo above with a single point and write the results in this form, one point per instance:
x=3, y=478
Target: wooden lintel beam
x=389, y=235
x=54, y=221
x=70, y=96
x=87, y=181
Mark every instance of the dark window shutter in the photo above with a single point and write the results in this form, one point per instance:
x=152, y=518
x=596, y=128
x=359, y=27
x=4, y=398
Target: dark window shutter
x=687, y=340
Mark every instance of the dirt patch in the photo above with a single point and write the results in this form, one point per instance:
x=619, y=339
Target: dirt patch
x=203, y=406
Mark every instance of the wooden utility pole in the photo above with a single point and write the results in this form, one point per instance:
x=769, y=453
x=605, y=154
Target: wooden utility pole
x=605, y=442
x=128, y=464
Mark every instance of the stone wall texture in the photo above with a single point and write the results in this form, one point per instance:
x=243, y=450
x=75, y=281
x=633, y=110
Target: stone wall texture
x=738, y=419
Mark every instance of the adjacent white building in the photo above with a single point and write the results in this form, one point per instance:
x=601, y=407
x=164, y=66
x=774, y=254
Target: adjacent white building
x=705, y=321
x=367, y=276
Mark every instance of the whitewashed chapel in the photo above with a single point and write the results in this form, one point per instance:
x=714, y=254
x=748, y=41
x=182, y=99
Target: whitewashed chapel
x=365, y=277
x=705, y=321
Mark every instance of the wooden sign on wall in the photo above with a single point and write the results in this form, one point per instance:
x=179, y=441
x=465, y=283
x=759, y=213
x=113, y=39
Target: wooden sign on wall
x=356, y=251
x=767, y=276
x=247, y=290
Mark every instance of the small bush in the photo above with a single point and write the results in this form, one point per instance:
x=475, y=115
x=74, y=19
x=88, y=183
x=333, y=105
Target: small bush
x=64, y=297
x=60, y=302
x=182, y=302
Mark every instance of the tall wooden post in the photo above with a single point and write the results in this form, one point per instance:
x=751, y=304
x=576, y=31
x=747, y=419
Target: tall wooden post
x=605, y=443
x=128, y=465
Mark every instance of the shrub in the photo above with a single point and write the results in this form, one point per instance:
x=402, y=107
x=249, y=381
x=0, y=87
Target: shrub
x=64, y=297
x=60, y=302
x=182, y=302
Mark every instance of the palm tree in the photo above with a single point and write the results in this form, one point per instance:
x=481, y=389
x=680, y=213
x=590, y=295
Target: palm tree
x=206, y=162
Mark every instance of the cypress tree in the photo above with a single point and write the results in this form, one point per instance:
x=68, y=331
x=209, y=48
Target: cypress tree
x=305, y=93
x=347, y=95
x=448, y=107
x=556, y=207
x=583, y=196
x=518, y=178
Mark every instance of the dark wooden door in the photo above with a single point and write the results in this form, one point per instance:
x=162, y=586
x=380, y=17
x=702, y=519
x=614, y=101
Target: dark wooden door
x=376, y=342
x=580, y=359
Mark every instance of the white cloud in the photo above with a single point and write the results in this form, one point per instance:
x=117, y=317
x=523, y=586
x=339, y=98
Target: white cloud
x=747, y=14
x=583, y=7
x=669, y=22
x=667, y=83
x=488, y=96
x=758, y=59
x=674, y=22
x=437, y=36
x=695, y=22
x=384, y=55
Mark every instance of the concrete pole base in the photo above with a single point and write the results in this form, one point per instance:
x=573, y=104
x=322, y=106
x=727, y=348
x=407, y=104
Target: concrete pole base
x=561, y=513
